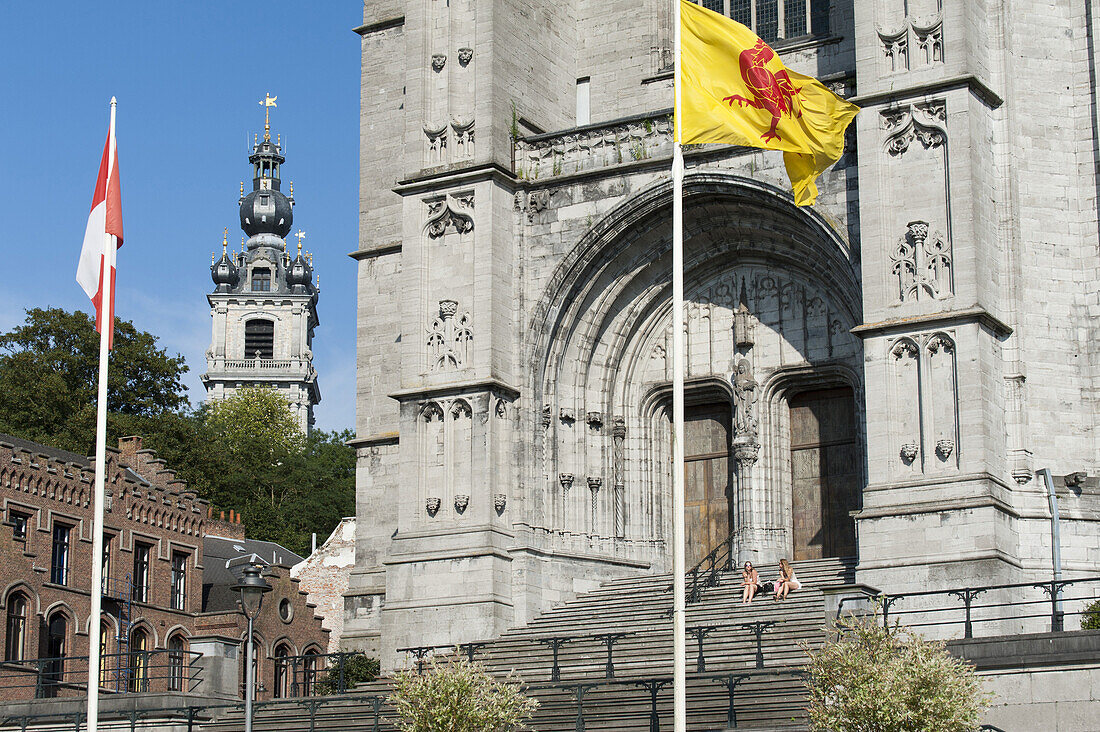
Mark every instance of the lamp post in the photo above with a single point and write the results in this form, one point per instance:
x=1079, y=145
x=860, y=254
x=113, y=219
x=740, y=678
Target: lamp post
x=251, y=588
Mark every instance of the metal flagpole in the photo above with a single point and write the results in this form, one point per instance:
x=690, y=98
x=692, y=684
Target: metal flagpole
x=679, y=642
x=106, y=325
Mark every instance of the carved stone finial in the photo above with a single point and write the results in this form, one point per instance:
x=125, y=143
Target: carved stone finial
x=432, y=505
x=909, y=452
x=439, y=60
x=461, y=502
x=465, y=55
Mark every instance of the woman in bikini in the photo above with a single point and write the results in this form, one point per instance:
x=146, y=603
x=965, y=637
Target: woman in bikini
x=750, y=581
x=787, y=582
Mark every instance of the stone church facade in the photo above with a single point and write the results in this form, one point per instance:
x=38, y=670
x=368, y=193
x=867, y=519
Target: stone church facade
x=878, y=376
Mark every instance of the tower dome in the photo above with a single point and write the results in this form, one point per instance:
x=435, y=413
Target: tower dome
x=224, y=271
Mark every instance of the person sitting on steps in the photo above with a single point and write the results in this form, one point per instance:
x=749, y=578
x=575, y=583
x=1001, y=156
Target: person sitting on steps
x=787, y=582
x=750, y=581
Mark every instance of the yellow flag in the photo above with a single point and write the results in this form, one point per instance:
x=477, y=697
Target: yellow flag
x=734, y=89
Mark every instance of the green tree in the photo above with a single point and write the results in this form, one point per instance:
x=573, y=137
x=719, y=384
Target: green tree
x=1090, y=618
x=49, y=374
x=357, y=669
x=875, y=679
x=459, y=696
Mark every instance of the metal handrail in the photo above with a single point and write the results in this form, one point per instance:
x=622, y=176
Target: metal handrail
x=968, y=596
x=47, y=676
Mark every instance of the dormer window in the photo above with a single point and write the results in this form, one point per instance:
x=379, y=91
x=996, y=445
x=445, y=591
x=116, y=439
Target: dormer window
x=261, y=279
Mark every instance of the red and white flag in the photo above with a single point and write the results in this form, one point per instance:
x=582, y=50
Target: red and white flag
x=104, y=221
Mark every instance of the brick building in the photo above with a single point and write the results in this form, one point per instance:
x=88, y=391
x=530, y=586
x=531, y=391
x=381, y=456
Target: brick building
x=156, y=567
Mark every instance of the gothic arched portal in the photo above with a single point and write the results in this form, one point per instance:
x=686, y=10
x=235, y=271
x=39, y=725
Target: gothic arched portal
x=772, y=292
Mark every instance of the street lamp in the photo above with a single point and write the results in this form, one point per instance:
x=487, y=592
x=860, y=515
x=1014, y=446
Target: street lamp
x=252, y=588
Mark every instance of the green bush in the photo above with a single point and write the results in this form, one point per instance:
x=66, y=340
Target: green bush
x=459, y=696
x=869, y=678
x=1090, y=619
x=358, y=669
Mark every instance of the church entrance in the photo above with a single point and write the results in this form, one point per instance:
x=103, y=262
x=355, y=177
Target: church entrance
x=825, y=467
x=707, y=485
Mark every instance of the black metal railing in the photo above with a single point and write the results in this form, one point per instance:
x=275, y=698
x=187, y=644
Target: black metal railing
x=707, y=572
x=315, y=674
x=996, y=609
x=421, y=654
x=136, y=672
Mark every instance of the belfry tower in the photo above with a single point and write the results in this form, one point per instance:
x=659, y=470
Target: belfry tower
x=264, y=304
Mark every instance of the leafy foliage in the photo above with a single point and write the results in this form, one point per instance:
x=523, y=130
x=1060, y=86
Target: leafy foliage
x=459, y=696
x=246, y=453
x=1090, y=619
x=49, y=370
x=876, y=679
x=358, y=669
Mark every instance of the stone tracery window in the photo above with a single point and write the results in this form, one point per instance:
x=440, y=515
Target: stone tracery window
x=775, y=20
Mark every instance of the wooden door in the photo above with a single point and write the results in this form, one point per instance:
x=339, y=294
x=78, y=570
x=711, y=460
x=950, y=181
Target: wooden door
x=707, y=489
x=825, y=472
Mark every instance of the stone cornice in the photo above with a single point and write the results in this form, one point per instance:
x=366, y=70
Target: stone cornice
x=972, y=314
x=377, y=250
x=435, y=179
x=459, y=387
x=381, y=438
x=977, y=87
x=381, y=25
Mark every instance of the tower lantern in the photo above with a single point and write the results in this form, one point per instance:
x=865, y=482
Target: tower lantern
x=264, y=304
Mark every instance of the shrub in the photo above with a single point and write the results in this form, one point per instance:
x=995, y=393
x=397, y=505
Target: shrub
x=875, y=679
x=358, y=669
x=1090, y=619
x=459, y=696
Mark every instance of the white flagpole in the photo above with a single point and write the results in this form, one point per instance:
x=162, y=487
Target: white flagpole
x=107, y=324
x=679, y=612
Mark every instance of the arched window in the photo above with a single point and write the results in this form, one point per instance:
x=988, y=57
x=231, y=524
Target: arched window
x=15, y=642
x=310, y=668
x=177, y=663
x=105, y=662
x=281, y=688
x=139, y=660
x=259, y=339
x=53, y=667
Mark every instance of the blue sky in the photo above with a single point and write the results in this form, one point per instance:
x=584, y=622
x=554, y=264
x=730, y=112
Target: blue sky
x=188, y=77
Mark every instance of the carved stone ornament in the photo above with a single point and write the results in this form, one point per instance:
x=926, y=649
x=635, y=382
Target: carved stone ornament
x=465, y=55
x=566, y=415
x=594, y=419
x=744, y=396
x=439, y=60
x=449, y=337
x=909, y=452
x=501, y=409
x=745, y=451
x=433, y=504
x=566, y=480
x=924, y=123
x=500, y=500
x=547, y=415
x=922, y=263
x=461, y=502
x=618, y=428
x=450, y=214
x=594, y=483
x=944, y=448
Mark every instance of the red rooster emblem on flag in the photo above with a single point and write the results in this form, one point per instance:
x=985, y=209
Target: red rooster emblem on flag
x=773, y=92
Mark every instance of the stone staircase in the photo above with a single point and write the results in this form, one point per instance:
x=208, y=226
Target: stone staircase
x=767, y=698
